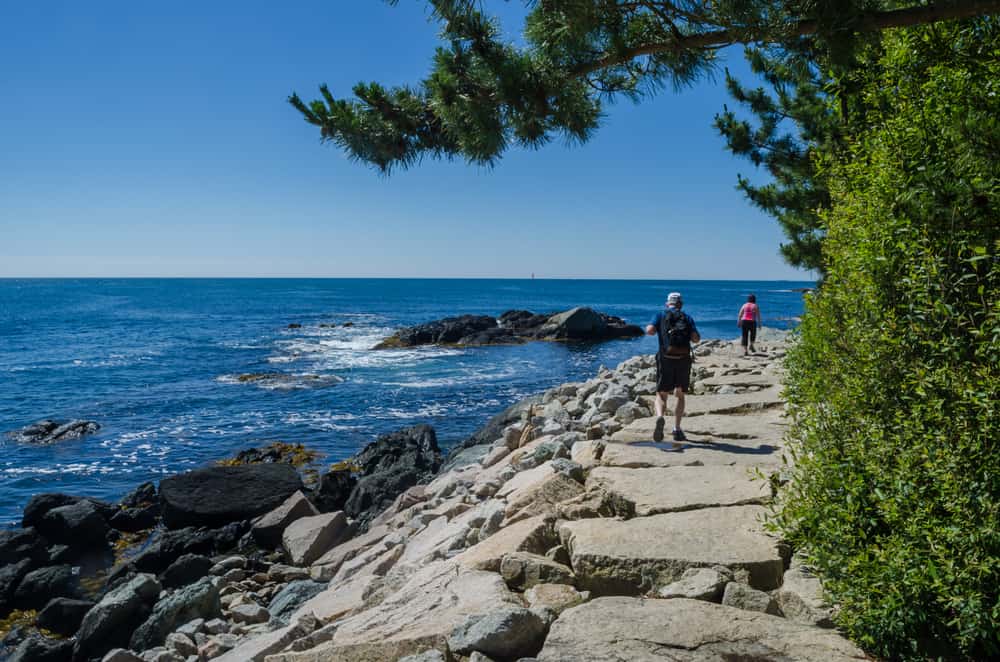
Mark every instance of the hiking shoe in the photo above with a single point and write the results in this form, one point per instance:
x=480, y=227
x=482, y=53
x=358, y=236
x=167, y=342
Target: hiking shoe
x=679, y=435
x=658, y=430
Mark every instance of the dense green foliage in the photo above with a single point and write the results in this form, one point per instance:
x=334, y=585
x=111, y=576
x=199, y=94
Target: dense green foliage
x=895, y=487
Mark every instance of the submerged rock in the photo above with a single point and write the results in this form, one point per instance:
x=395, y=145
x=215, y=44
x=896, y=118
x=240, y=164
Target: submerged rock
x=50, y=432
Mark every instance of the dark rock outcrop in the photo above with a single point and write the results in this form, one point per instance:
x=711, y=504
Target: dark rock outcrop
x=11, y=575
x=170, y=545
x=334, y=490
x=187, y=569
x=63, y=615
x=514, y=327
x=50, y=432
x=138, y=510
x=79, y=525
x=390, y=465
x=39, y=586
x=215, y=496
x=20, y=544
x=200, y=600
x=41, y=504
x=42, y=649
x=111, y=622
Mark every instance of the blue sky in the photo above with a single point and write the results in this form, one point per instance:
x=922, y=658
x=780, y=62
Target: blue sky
x=153, y=139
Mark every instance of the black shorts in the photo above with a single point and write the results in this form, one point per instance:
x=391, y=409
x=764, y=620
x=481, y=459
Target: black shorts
x=671, y=373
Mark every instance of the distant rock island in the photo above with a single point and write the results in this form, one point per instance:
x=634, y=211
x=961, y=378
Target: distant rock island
x=514, y=327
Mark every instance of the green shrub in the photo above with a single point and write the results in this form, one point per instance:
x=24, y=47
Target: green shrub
x=895, y=488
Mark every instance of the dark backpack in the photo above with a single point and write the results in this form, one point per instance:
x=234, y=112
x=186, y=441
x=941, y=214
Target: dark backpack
x=675, y=333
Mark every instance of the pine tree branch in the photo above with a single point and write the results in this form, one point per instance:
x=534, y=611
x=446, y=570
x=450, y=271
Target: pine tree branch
x=867, y=22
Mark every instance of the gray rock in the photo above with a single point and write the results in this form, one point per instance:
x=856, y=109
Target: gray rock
x=742, y=596
x=42, y=649
x=199, y=600
x=268, y=528
x=426, y=656
x=290, y=597
x=507, y=632
x=181, y=644
x=613, y=398
x=569, y=468
x=629, y=412
x=109, y=624
x=801, y=598
x=640, y=630
x=39, y=586
x=698, y=584
x=121, y=655
x=188, y=569
x=249, y=614
x=63, y=615
x=308, y=538
x=522, y=570
x=50, y=432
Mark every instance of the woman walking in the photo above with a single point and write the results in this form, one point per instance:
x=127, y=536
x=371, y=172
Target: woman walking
x=748, y=320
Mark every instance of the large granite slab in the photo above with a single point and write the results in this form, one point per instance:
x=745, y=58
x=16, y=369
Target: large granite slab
x=673, y=489
x=678, y=630
x=631, y=557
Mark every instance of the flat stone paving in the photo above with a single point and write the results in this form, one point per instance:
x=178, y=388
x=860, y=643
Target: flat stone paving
x=673, y=489
x=631, y=557
x=679, y=630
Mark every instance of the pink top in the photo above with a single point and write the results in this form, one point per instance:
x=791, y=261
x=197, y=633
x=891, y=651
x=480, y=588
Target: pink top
x=749, y=311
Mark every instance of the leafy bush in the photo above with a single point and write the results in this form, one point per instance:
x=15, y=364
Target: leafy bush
x=895, y=488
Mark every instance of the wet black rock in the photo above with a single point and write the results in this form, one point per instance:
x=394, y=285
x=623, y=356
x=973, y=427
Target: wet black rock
x=169, y=545
x=39, y=586
x=42, y=649
x=79, y=525
x=138, y=510
x=390, y=465
x=18, y=544
x=187, y=569
x=11, y=575
x=63, y=615
x=216, y=496
x=50, y=432
x=334, y=490
x=513, y=327
x=41, y=504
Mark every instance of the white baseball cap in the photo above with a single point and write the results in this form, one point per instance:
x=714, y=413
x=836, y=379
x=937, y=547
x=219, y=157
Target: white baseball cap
x=674, y=297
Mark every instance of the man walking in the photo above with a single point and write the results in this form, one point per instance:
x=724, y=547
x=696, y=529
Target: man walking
x=675, y=331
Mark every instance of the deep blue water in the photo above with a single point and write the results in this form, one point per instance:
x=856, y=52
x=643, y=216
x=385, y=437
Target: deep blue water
x=153, y=361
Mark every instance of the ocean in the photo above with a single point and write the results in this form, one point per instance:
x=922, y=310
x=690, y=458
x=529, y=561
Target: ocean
x=156, y=362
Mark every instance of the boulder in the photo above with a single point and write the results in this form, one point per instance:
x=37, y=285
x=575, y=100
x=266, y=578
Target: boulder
x=308, y=538
x=345, y=551
x=200, y=600
x=268, y=528
x=21, y=544
x=698, y=584
x=63, y=615
x=522, y=570
x=50, y=432
x=801, y=598
x=39, y=586
x=215, y=496
x=11, y=575
x=389, y=466
x=138, y=510
x=530, y=535
x=80, y=526
x=334, y=490
x=557, y=597
x=187, y=569
x=42, y=649
x=290, y=597
x=508, y=632
x=168, y=546
x=612, y=557
x=541, y=496
x=420, y=615
x=110, y=623
x=585, y=324
x=741, y=596
x=638, y=630
x=249, y=614
x=337, y=600
x=40, y=505
x=447, y=331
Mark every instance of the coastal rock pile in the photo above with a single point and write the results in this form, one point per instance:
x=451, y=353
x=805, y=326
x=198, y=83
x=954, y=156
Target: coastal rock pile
x=573, y=537
x=514, y=327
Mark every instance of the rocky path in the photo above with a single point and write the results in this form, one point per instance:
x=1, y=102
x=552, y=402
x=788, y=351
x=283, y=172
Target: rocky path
x=571, y=536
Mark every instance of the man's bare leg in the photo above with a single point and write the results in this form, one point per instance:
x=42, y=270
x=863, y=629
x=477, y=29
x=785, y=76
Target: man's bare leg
x=679, y=408
x=659, y=406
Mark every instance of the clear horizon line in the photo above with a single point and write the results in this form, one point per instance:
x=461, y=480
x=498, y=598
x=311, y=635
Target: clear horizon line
x=527, y=278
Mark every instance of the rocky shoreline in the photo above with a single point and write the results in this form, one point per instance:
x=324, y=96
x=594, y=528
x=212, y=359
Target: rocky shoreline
x=560, y=531
x=514, y=327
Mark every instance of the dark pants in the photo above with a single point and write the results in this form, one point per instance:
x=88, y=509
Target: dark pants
x=749, y=328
